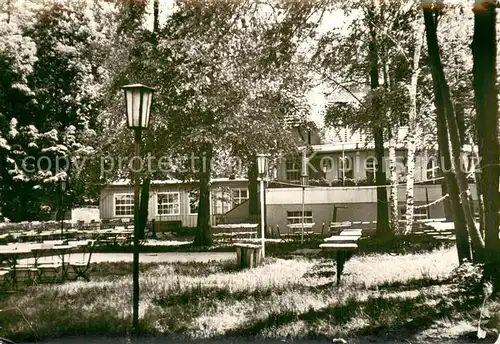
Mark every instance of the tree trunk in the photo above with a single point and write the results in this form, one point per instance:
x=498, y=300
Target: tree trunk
x=203, y=236
x=253, y=190
x=454, y=136
x=486, y=101
x=477, y=181
x=412, y=128
x=477, y=240
x=156, y=23
x=383, y=229
x=462, y=235
x=156, y=15
x=448, y=214
x=393, y=172
x=394, y=181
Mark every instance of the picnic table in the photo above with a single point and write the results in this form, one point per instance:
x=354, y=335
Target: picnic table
x=439, y=230
x=342, y=245
x=13, y=253
x=10, y=255
x=114, y=236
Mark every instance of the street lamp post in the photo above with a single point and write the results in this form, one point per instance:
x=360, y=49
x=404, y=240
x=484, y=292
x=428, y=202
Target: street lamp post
x=138, y=105
x=304, y=178
x=62, y=189
x=262, y=163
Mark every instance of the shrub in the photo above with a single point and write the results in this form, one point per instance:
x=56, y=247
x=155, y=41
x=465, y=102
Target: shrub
x=468, y=278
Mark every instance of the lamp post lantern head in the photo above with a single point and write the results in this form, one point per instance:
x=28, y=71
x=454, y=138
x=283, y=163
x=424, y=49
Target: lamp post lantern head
x=138, y=105
x=304, y=179
x=262, y=164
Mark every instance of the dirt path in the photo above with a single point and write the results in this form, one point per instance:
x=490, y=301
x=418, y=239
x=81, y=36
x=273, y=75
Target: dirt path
x=168, y=257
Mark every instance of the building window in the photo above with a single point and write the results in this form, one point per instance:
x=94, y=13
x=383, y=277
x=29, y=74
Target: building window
x=221, y=202
x=296, y=217
x=168, y=203
x=239, y=196
x=292, y=171
x=370, y=164
x=432, y=169
x=194, y=201
x=418, y=213
x=345, y=168
x=124, y=205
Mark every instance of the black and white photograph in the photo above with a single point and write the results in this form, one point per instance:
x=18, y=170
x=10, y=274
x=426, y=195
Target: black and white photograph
x=249, y=171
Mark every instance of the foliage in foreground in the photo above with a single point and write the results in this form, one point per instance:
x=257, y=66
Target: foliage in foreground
x=381, y=293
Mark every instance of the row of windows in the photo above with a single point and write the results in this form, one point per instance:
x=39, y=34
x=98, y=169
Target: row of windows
x=296, y=217
x=168, y=203
x=346, y=169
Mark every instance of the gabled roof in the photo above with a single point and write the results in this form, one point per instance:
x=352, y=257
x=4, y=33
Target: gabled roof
x=126, y=182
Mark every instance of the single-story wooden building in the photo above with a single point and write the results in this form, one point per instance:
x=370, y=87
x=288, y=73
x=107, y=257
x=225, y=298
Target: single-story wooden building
x=172, y=200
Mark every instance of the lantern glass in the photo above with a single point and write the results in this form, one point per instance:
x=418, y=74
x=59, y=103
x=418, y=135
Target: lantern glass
x=138, y=99
x=262, y=162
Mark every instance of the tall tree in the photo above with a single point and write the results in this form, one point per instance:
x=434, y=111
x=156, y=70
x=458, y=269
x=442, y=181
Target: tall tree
x=226, y=79
x=51, y=103
x=484, y=50
x=412, y=128
x=439, y=82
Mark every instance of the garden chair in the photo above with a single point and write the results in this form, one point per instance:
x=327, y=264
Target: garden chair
x=81, y=267
x=5, y=278
x=27, y=273
x=52, y=271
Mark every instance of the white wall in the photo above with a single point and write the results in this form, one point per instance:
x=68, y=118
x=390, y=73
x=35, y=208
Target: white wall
x=330, y=195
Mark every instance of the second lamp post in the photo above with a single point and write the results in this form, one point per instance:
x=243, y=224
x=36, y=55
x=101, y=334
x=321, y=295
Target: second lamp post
x=262, y=164
x=63, y=184
x=138, y=105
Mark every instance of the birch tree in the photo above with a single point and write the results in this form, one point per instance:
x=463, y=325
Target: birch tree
x=412, y=128
x=382, y=29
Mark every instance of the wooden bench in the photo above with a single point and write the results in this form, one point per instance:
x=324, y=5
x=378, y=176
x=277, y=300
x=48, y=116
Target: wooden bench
x=336, y=227
x=341, y=244
x=248, y=255
x=235, y=230
x=295, y=231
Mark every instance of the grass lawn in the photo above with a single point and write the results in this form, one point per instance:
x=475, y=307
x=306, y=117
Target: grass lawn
x=382, y=294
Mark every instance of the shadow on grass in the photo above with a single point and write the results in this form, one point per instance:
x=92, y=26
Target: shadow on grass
x=401, y=244
x=116, y=269
x=386, y=316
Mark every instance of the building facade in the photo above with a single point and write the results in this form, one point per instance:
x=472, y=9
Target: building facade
x=341, y=174
x=173, y=200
